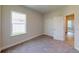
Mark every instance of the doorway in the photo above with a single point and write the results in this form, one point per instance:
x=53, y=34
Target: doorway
x=69, y=32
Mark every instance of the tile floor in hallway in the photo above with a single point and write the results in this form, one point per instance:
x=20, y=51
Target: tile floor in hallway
x=42, y=44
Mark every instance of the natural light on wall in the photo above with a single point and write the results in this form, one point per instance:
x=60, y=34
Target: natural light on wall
x=18, y=23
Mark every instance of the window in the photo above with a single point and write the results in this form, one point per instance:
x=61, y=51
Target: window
x=70, y=25
x=18, y=23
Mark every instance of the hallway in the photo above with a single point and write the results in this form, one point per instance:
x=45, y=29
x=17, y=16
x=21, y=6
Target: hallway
x=70, y=39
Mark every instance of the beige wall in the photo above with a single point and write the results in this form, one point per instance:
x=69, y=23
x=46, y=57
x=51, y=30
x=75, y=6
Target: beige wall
x=34, y=25
x=54, y=23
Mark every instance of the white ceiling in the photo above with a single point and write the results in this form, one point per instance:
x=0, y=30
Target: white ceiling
x=45, y=8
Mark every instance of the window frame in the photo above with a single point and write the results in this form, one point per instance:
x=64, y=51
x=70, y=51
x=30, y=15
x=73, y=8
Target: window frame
x=25, y=25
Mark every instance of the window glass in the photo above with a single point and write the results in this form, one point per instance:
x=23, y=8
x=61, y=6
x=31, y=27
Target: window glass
x=18, y=23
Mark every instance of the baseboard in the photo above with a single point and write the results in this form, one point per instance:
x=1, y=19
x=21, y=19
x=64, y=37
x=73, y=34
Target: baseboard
x=48, y=35
x=52, y=36
x=76, y=48
x=0, y=50
x=3, y=48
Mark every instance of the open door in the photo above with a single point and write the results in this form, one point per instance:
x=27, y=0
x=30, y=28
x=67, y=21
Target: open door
x=69, y=32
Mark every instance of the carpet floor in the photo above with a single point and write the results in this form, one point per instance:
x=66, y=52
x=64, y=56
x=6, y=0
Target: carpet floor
x=42, y=44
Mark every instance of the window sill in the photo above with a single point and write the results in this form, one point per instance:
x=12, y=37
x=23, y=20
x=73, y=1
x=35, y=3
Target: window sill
x=12, y=35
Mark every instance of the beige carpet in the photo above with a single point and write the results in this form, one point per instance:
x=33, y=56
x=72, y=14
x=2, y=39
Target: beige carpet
x=42, y=44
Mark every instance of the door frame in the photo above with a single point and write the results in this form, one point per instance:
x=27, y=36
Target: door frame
x=66, y=29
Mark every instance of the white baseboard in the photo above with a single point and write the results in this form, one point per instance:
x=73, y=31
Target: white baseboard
x=76, y=48
x=47, y=34
x=53, y=36
x=19, y=42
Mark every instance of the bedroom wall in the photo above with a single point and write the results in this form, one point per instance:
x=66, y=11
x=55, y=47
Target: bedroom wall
x=34, y=25
x=53, y=25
